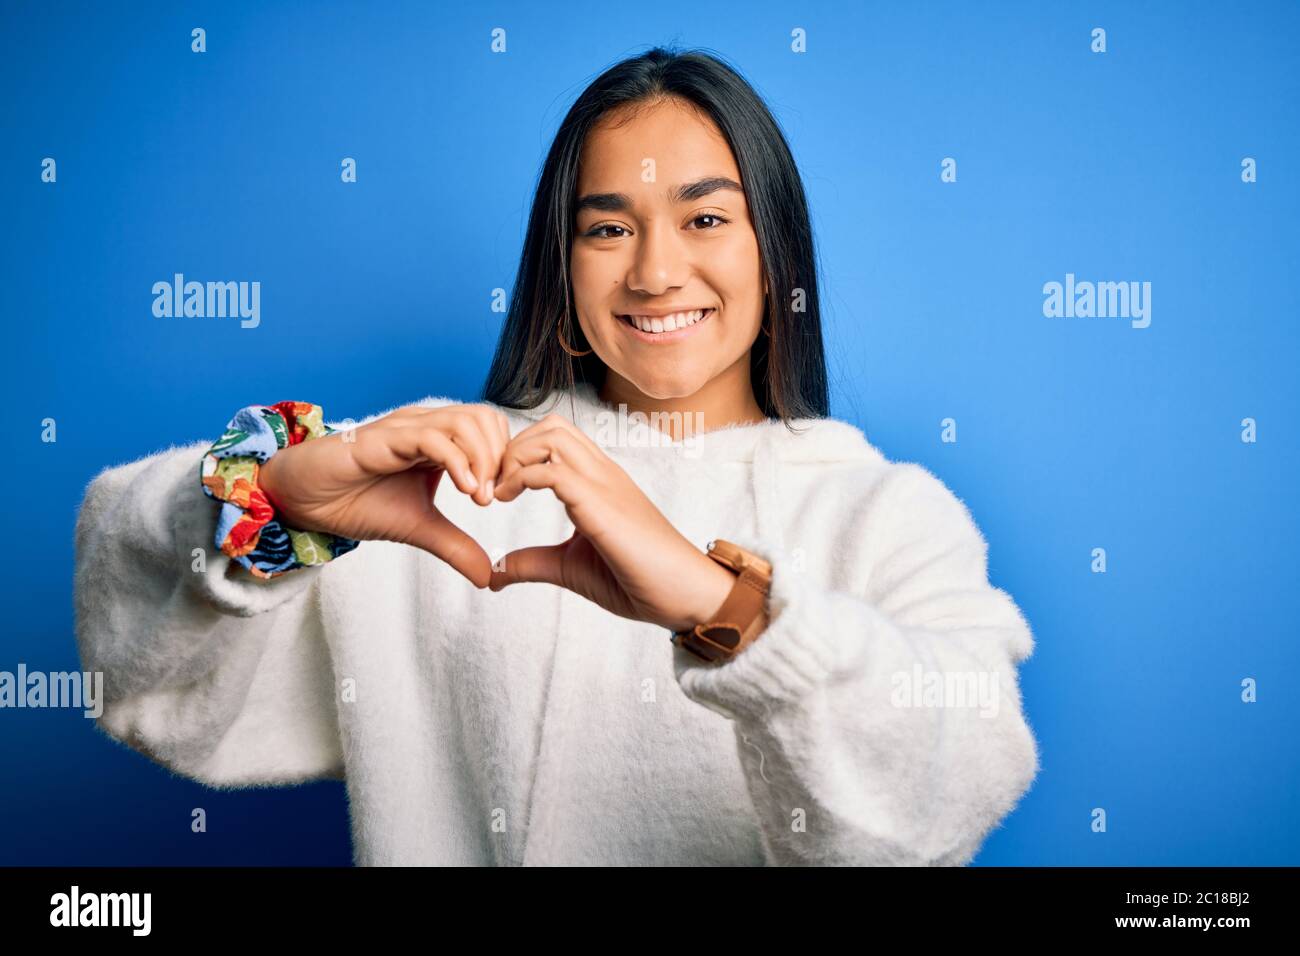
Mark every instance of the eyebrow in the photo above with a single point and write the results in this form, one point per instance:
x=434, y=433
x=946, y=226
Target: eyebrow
x=687, y=192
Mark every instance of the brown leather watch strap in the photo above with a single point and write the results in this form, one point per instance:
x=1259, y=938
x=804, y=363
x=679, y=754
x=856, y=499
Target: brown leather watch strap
x=742, y=616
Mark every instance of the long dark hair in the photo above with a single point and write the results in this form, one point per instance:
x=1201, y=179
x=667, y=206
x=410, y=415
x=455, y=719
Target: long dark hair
x=787, y=362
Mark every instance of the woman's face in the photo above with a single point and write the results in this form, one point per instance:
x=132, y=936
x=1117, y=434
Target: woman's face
x=663, y=234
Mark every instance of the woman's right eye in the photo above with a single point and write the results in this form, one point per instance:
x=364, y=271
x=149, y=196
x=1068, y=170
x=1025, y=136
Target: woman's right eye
x=598, y=232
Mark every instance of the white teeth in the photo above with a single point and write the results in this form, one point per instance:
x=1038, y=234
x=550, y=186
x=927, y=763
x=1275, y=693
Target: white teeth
x=667, y=323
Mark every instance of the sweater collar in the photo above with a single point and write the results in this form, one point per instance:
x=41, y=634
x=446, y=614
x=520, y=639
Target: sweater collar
x=805, y=439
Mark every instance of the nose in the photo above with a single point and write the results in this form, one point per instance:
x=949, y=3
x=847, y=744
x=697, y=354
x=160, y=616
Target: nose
x=660, y=262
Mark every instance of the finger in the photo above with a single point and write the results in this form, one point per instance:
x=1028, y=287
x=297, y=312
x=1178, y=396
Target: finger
x=555, y=446
x=560, y=478
x=480, y=430
x=443, y=539
x=465, y=431
x=497, y=427
x=400, y=448
x=554, y=420
x=543, y=563
x=582, y=438
x=479, y=440
x=503, y=426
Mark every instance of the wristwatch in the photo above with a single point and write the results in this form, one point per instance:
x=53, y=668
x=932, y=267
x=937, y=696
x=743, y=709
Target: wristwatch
x=743, y=615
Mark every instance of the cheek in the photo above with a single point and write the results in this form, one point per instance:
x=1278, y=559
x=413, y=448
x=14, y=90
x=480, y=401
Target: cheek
x=595, y=280
x=735, y=271
x=737, y=262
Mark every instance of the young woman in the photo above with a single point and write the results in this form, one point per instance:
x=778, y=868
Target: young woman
x=833, y=683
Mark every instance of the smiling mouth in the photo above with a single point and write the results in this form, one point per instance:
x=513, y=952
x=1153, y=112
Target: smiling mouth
x=662, y=324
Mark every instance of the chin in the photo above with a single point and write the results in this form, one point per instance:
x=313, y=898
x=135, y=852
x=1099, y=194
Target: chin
x=663, y=387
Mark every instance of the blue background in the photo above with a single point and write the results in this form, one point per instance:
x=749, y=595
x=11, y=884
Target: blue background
x=1073, y=433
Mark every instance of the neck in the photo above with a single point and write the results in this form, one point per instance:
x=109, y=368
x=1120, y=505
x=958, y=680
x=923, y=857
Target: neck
x=726, y=399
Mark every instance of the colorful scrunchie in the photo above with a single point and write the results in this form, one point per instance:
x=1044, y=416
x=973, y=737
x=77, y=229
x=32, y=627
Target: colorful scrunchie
x=247, y=528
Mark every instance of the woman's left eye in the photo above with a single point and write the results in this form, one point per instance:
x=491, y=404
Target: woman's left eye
x=711, y=215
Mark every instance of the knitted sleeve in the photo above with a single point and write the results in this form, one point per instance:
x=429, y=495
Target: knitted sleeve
x=881, y=723
x=214, y=672
x=208, y=670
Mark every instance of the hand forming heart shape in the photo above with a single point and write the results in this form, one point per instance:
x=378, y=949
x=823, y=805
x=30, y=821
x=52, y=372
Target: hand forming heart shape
x=377, y=482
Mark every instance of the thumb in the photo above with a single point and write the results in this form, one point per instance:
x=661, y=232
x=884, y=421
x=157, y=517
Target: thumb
x=444, y=540
x=543, y=563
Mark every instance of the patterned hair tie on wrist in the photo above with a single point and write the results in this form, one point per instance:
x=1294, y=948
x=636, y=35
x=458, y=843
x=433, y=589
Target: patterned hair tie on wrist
x=248, y=529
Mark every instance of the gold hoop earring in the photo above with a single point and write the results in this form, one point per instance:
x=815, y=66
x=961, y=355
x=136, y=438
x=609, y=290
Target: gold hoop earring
x=559, y=334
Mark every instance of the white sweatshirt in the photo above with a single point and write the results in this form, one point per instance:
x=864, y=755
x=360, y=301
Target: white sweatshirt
x=530, y=726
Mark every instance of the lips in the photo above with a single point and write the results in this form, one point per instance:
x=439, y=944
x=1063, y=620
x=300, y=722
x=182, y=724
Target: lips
x=663, y=324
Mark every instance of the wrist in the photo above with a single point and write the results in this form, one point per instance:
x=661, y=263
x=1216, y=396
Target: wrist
x=236, y=471
x=742, y=616
x=266, y=472
x=270, y=475
x=714, y=584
